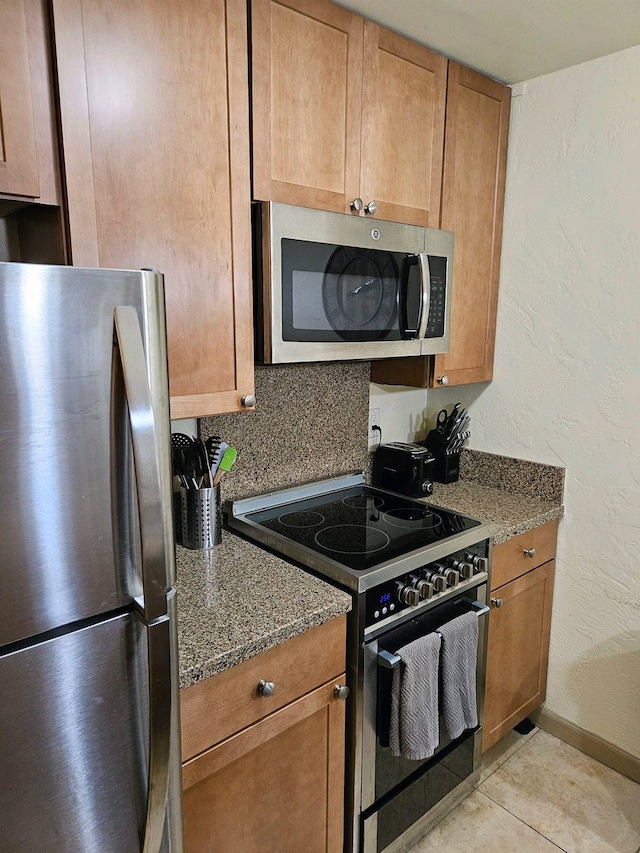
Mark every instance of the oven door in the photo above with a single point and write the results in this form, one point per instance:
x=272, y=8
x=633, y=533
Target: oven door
x=339, y=287
x=397, y=792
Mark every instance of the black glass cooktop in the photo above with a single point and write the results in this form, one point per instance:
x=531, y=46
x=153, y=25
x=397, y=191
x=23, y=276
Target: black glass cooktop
x=361, y=527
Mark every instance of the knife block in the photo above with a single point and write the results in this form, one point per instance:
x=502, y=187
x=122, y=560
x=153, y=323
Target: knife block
x=446, y=469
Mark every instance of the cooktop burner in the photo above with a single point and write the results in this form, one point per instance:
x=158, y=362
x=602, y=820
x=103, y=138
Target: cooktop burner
x=361, y=527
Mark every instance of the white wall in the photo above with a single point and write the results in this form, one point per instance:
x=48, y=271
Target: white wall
x=566, y=386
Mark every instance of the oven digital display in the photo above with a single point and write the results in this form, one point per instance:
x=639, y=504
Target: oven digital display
x=386, y=598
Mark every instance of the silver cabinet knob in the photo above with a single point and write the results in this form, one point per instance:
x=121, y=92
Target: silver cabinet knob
x=357, y=204
x=529, y=552
x=371, y=208
x=497, y=602
x=443, y=380
x=248, y=401
x=341, y=691
x=266, y=688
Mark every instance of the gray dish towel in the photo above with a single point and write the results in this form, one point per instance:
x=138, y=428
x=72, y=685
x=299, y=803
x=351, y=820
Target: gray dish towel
x=459, y=655
x=414, y=729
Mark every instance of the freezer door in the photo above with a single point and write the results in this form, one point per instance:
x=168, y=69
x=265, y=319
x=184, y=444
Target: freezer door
x=69, y=525
x=74, y=742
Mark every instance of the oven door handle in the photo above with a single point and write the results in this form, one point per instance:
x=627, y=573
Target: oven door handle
x=480, y=608
x=390, y=661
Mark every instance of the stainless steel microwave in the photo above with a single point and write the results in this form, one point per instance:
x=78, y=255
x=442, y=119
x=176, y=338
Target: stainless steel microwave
x=335, y=287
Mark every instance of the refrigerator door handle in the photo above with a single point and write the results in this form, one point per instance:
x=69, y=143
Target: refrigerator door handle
x=159, y=655
x=152, y=605
x=153, y=602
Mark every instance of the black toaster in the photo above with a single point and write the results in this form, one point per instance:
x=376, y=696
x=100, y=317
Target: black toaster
x=405, y=468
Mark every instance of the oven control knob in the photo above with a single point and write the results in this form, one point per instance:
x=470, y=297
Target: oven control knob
x=408, y=595
x=451, y=576
x=480, y=564
x=465, y=568
x=425, y=589
x=439, y=581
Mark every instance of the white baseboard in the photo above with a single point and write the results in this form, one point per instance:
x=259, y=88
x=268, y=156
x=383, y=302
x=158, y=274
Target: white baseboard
x=588, y=743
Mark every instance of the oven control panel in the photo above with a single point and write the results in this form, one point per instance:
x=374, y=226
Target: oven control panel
x=432, y=581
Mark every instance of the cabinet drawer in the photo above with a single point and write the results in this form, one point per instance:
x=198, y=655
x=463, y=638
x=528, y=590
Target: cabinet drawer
x=216, y=708
x=511, y=558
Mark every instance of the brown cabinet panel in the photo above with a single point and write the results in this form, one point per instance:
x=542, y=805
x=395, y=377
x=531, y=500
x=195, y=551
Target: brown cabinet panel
x=154, y=106
x=475, y=162
x=306, y=79
x=18, y=151
x=215, y=708
x=403, y=103
x=277, y=785
x=513, y=557
x=517, y=651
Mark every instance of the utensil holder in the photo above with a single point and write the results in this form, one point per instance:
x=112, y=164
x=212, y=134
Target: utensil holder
x=201, y=518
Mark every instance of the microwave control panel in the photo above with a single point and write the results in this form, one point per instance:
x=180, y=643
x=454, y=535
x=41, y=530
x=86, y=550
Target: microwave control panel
x=438, y=277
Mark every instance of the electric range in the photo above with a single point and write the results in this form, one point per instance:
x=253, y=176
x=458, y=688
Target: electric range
x=410, y=566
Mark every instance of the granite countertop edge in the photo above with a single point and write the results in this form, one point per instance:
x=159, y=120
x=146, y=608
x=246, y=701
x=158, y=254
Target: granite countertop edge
x=511, y=514
x=238, y=654
x=237, y=600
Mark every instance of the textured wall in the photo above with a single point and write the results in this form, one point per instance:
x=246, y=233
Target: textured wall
x=566, y=386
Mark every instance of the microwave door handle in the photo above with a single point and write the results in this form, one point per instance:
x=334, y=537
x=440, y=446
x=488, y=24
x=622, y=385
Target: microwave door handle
x=425, y=294
x=409, y=261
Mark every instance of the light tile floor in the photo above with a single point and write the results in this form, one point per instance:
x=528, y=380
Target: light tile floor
x=536, y=794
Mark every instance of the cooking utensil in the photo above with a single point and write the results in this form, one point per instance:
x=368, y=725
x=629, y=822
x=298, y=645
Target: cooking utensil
x=226, y=464
x=215, y=451
x=441, y=422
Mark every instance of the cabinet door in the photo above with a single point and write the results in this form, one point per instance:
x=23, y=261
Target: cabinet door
x=475, y=162
x=278, y=785
x=517, y=651
x=18, y=153
x=154, y=106
x=306, y=109
x=403, y=96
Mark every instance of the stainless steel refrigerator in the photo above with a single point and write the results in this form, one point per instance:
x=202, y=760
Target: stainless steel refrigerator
x=89, y=730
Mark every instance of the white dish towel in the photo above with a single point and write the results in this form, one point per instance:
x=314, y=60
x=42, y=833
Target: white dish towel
x=414, y=728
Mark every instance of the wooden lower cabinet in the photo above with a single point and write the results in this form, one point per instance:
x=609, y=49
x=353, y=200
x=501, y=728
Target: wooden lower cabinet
x=518, y=648
x=266, y=772
x=276, y=786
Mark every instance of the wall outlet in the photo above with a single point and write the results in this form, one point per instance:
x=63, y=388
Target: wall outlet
x=374, y=435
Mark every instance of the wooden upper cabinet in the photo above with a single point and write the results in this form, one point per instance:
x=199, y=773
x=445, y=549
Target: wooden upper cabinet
x=403, y=102
x=28, y=153
x=344, y=109
x=475, y=163
x=306, y=87
x=155, y=130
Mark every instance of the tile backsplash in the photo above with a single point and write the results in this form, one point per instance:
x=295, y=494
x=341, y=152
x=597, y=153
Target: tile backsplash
x=310, y=422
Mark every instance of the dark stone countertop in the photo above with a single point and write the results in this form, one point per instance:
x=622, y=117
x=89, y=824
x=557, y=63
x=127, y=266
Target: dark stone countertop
x=236, y=600
x=511, y=513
